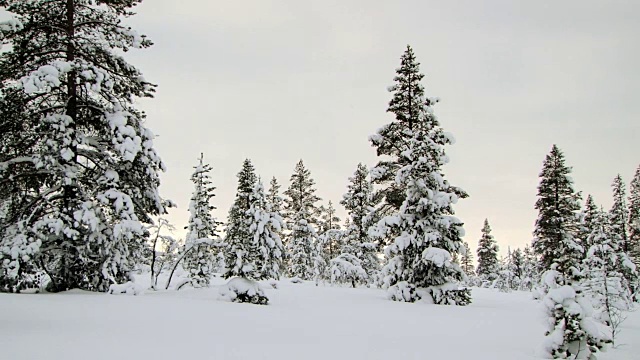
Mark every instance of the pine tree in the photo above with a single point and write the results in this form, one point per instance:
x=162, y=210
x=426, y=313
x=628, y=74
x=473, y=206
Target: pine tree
x=78, y=171
x=554, y=235
x=605, y=282
x=301, y=212
x=239, y=221
x=530, y=275
x=200, y=261
x=466, y=260
x=264, y=248
x=359, y=203
x=407, y=105
x=273, y=196
x=586, y=222
x=569, y=333
x=329, y=231
x=424, y=231
x=619, y=212
x=634, y=218
x=487, y=254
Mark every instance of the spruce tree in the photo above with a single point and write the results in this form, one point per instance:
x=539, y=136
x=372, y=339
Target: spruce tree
x=466, y=260
x=586, y=222
x=424, y=231
x=263, y=251
x=200, y=259
x=619, y=212
x=530, y=275
x=556, y=227
x=238, y=224
x=605, y=265
x=78, y=170
x=570, y=326
x=359, y=203
x=407, y=105
x=488, y=264
x=329, y=230
x=301, y=212
x=634, y=218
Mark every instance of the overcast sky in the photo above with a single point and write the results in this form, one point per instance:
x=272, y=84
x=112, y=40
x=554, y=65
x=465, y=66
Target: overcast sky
x=276, y=81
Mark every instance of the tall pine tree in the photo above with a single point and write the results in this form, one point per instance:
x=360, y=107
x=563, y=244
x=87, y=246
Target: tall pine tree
x=199, y=262
x=557, y=224
x=634, y=218
x=407, y=105
x=239, y=221
x=78, y=171
x=359, y=203
x=619, y=212
x=424, y=231
x=488, y=264
x=301, y=212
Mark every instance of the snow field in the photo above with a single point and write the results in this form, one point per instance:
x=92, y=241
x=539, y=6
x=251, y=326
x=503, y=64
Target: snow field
x=302, y=321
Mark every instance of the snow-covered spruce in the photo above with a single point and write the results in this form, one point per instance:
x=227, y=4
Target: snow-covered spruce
x=301, y=213
x=424, y=231
x=634, y=218
x=347, y=269
x=330, y=236
x=359, y=203
x=239, y=237
x=78, y=169
x=243, y=290
x=557, y=223
x=572, y=333
x=488, y=265
x=200, y=260
x=605, y=266
x=258, y=255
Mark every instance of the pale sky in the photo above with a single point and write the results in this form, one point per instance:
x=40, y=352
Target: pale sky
x=276, y=81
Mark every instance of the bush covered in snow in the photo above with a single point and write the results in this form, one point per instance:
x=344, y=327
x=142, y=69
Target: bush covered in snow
x=243, y=290
x=128, y=288
x=347, y=269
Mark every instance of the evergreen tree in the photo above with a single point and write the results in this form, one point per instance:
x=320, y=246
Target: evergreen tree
x=488, y=265
x=329, y=231
x=466, y=260
x=78, y=171
x=200, y=261
x=424, y=231
x=264, y=250
x=518, y=263
x=530, y=267
x=359, y=203
x=407, y=105
x=554, y=235
x=273, y=197
x=301, y=212
x=619, y=212
x=634, y=218
x=605, y=282
x=571, y=329
x=586, y=222
x=239, y=222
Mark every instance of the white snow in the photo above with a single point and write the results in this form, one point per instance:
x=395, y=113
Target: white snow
x=302, y=321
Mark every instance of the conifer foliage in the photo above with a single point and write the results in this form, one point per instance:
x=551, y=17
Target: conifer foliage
x=407, y=104
x=557, y=224
x=571, y=331
x=301, y=212
x=634, y=218
x=239, y=261
x=359, y=203
x=424, y=231
x=488, y=264
x=619, y=212
x=199, y=259
x=78, y=171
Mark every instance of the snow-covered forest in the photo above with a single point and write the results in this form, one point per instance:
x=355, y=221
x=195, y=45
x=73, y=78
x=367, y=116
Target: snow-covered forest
x=91, y=266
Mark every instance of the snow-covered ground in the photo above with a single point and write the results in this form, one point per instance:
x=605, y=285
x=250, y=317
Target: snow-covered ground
x=301, y=322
